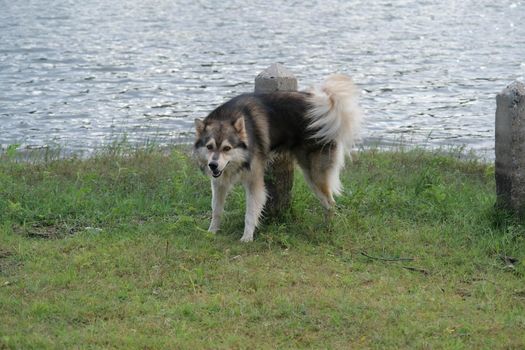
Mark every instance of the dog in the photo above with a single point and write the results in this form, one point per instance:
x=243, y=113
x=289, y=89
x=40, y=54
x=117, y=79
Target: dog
x=237, y=141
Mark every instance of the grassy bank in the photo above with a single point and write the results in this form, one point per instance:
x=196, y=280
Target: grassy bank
x=112, y=252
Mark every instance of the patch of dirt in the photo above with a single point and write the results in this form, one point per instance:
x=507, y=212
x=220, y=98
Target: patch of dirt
x=4, y=253
x=519, y=294
x=8, y=262
x=46, y=231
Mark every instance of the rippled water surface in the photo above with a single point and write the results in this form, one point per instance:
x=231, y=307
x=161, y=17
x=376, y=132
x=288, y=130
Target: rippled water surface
x=79, y=73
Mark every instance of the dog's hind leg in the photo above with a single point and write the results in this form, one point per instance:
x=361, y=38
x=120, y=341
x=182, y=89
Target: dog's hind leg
x=255, y=200
x=219, y=190
x=321, y=171
x=319, y=183
x=320, y=186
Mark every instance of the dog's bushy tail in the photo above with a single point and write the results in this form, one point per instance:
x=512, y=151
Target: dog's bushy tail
x=335, y=114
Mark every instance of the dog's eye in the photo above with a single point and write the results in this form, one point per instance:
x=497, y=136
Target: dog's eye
x=226, y=148
x=210, y=147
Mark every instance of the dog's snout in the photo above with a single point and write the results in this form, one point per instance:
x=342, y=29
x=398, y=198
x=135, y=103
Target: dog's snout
x=213, y=165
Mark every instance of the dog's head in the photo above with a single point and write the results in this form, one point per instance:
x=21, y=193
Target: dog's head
x=221, y=145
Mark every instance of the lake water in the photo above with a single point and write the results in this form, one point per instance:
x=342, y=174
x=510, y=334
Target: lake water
x=79, y=73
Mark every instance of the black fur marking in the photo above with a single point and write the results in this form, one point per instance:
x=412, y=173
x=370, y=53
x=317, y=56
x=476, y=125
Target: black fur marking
x=202, y=141
x=287, y=121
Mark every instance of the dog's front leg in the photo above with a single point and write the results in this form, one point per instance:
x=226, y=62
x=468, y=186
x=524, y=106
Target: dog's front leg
x=219, y=191
x=255, y=200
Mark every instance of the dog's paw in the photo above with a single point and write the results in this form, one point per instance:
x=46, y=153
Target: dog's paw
x=246, y=238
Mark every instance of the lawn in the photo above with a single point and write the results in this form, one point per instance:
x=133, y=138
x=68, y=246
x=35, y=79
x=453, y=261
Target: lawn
x=112, y=252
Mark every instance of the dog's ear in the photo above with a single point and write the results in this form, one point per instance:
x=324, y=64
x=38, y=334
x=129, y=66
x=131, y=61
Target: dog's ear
x=241, y=129
x=239, y=125
x=199, y=126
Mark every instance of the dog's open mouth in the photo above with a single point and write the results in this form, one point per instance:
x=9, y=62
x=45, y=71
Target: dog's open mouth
x=217, y=172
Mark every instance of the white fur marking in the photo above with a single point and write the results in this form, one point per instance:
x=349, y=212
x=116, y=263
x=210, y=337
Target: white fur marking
x=255, y=200
x=219, y=190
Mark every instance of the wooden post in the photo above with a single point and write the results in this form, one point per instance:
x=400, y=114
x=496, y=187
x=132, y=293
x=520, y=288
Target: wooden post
x=510, y=148
x=279, y=176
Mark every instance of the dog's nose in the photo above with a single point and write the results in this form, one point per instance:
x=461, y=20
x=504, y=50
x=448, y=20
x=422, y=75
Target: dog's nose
x=213, y=165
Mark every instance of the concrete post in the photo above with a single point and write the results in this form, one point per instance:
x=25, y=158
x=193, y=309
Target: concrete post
x=510, y=148
x=279, y=176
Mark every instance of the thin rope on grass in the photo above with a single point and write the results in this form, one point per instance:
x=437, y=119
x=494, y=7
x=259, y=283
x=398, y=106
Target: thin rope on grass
x=392, y=259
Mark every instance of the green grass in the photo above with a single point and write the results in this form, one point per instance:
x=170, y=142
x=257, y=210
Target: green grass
x=112, y=252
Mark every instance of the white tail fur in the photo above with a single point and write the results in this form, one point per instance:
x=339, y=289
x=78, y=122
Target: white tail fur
x=335, y=114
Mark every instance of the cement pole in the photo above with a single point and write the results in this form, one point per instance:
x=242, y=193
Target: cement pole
x=279, y=176
x=510, y=148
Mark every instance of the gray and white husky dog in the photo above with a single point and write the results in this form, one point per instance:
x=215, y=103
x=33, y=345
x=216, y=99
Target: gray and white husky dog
x=237, y=140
